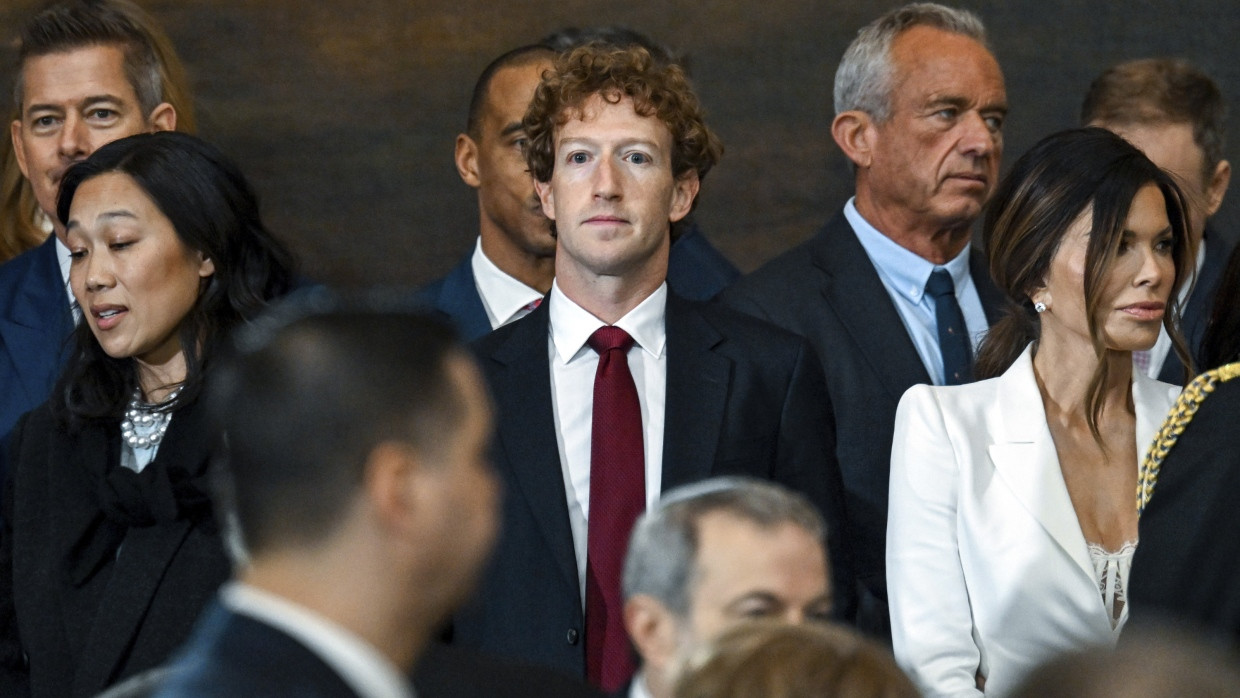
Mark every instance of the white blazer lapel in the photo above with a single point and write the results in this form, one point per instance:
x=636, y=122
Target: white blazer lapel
x=1024, y=456
x=1152, y=401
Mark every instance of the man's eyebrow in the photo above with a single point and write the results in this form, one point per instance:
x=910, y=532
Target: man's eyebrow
x=86, y=102
x=512, y=128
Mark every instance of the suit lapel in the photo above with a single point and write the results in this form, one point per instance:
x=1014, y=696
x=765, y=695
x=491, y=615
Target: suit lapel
x=460, y=300
x=38, y=323
x=1024, y=457
x=697, y=391
x=856, y=295
x=993, y=300
x=522, y=381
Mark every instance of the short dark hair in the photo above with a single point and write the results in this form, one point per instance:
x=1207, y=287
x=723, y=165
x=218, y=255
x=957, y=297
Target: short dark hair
x=1161, y=91
x=151, y=64
x=306, y=395
x=1033, y=208
x=520, y=56
x=657, y=89
x=214, y=211
x=569, y=38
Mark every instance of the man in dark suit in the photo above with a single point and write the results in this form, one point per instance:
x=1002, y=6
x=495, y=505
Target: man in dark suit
x=1174, y=112
x=614, y=389
x=89, y=73
x=889, y=293
x=363, y=500
x=513, y=261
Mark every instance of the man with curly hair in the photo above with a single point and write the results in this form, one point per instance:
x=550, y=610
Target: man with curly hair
x=615, y=389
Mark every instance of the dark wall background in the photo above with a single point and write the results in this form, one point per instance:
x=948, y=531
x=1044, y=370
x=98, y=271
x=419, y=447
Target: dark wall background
x=343, y=113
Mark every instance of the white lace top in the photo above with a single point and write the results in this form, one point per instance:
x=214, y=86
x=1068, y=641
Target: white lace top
x=1111, y=572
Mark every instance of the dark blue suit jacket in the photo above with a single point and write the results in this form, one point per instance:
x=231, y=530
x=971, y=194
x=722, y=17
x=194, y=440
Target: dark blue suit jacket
x=35, y=325
x=743, y=398
x=1199, y=306
x=828, y=291
x=231, y=654
x=696, y=271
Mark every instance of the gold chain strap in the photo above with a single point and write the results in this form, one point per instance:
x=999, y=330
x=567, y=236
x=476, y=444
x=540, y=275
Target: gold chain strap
x=1181, y=414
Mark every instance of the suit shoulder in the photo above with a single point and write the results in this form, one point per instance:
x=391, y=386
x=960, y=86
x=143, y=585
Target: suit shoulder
x=788, y=268
x=736, y=325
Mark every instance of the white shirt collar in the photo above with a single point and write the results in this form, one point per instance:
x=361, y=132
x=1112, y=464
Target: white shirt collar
x=368, y=673
x=62, y=257
x=572, y=325
x=907, y=271
x=503, y=296
x=638, y=687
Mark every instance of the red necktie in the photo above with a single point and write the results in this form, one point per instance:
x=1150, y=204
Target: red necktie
x=617, y=498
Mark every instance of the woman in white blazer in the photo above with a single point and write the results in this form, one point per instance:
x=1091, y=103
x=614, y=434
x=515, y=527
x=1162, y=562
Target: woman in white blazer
x=1012, y=504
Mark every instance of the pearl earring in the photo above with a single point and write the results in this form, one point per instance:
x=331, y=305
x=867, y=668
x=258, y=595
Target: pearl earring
x=1040, y=307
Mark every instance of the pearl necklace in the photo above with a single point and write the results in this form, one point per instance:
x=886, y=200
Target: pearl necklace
x=145, y=424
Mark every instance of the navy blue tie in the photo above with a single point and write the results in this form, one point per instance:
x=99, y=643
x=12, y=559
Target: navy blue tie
x=953, y=334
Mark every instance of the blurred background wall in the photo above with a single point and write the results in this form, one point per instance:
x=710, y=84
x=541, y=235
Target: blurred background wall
x=344, y=112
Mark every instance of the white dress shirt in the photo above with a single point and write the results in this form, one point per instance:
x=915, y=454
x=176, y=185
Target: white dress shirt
x=62, y=256
x=504, y=297
x=1158, y=353
x=638, y=688
x=904, y=274
x=573, y=365
x=368, y=673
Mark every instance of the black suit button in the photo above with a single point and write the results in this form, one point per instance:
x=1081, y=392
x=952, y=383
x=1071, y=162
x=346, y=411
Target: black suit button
x=572, y=636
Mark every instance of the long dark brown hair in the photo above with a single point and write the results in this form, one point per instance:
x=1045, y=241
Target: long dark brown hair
x=1046, y=191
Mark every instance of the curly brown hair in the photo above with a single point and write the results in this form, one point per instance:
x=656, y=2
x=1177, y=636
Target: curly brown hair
x=657, y=89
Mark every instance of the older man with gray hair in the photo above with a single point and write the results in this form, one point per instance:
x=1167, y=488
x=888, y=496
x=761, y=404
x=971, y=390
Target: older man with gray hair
x=889, y=293
x=713, y=553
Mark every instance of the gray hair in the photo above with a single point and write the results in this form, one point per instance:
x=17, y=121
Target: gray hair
x=863, y=82
x=662, y=556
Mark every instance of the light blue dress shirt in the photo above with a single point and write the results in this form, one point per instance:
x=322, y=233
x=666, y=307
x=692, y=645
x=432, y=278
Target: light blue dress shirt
x=904, y=274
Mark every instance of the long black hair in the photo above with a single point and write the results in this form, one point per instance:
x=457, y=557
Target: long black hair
x=214, y=211
x=1048, y=188
x=1221, y=344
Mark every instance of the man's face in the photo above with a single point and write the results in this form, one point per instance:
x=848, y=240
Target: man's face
x=935, y=160
x=1172, y=148
x=612, y=194
x=73, y=103
x=511, y=214
x=743, y=572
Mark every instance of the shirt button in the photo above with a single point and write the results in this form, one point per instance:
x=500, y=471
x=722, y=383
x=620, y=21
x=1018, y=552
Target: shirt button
x=572, y=636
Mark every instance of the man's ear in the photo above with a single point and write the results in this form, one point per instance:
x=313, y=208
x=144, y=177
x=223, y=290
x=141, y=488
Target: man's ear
x=547, y=197
x=1216, y=188
x=854, y=133
x=653, y=630
x=391, y=480
x=162, y=118
x=685, y=191
x=467, y=160
x=19, y=149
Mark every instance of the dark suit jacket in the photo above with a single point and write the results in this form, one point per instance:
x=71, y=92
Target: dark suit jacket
x=85, y=626
x=743, y=397
x=35, y=324
x=231, y=654
x=696, y=270
x=1199, y=306
x=828, y=291
x=1187, y=566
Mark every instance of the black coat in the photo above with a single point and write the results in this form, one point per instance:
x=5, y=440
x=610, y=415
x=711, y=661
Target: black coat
x=87, y=599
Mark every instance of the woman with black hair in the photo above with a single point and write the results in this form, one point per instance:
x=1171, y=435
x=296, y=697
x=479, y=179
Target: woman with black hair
x=111, y=547
x=1011, y=525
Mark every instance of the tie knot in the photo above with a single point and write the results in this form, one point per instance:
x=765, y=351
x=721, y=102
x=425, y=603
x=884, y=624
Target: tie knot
x=940, y=284
x=607, y=338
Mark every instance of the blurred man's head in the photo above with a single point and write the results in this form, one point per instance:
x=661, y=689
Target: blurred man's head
x=357, y=441
x=715, y=553
x=1175, y=113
